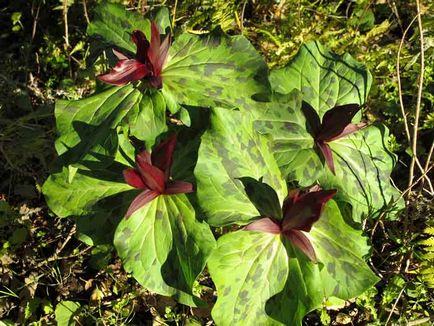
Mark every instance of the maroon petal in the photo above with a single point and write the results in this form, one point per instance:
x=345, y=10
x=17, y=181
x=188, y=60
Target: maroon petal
x=152, y=176
x=312, y=118
x=119, y=55
x=162, y=155
x=142, y=45
x=335, y=121
x=124, y=72
x=133, y=178
x=349, y=129
x=306, y=210
x=142, y=199
x=164, y=50
x=144, y=156
x=154, y=48
x=265, y=224
x=178, y=187
x=328, y=155
x=302, y=242
x=292, y=197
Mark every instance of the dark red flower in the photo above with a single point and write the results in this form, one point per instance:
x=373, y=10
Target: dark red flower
x=152, y=174
x=300, y=212
x=336, y=123
x=148, y=63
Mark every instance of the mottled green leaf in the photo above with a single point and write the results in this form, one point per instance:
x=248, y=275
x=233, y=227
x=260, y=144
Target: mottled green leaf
x=325, y=79
x=247, y=268
x=341, y=272
x=87, y=126
x=231, y=149
x=262, y=279
x=214, y=71
x=114, y=24
x=165, y=247
x=86, y=189
x=362, y=162
x=147, y=119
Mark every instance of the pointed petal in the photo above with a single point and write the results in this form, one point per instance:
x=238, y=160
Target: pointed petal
x=335, y=121
x=133, y=178
x=142, y=45
x=302, y=242
x=349, y=129
x=265, y=224
x=152, y=176
x=312, y=118
x=292, y=197
x=144, y=156
x=124, y=72
x=164, y=50
x=306, y=210
x=142, y=199
x=119, y=55
x=178, y=187
x=328, y=155
x=154, y=48
x=162, y=155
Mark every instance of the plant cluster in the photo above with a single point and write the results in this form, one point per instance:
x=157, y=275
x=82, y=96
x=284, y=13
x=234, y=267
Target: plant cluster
x=194, y=134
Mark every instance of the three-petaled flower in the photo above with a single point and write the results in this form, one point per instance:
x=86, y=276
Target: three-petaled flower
x=148, y=63
x=336, y=123
x=152, y=174
x=300, y=212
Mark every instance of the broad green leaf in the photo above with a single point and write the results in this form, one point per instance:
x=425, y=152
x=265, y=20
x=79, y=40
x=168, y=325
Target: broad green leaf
x=362, y=161
x=87, y=126
x=262, y=279
x=115, y=24
x=247, y=268
x=232, y=149
x=214, y=71
x=207, y=70
x=147, y=120
x=65, y=312
x=341, y=272
x=165, y=247
x=86, y=189
x=98, y=227
x=325, y=79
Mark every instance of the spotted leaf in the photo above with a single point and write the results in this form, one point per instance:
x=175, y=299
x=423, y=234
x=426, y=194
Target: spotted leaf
x=165, y=247
x=325, y=79
x=263, y=279
x=231, y=149
x=362, y=161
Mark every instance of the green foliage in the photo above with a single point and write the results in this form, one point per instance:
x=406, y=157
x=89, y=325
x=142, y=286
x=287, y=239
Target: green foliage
x=294, y=284
x=65, y=312
x=231, y=149
x=165, y=247
x=37, y=70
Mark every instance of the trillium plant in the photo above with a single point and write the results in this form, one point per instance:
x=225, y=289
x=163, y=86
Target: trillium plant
x=152, y=175
x=299, y=213
x=147, y=64
x=192, y=134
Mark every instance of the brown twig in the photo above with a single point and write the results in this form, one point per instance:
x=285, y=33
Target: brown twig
x=394, y=305
x=419, y=95
x=35, y=20
x=400, y=95
x=65, y=22
x=427, y=164
x=86, y=16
